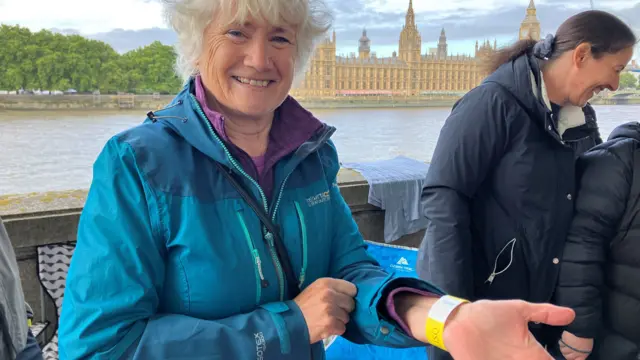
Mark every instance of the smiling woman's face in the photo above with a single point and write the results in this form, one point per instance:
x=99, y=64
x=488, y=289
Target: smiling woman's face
x=248, y=68
x=589, y=75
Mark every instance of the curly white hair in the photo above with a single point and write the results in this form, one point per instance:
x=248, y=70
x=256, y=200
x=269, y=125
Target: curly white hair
x=189, y=18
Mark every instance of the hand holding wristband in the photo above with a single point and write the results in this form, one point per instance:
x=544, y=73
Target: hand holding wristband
x=438, y=315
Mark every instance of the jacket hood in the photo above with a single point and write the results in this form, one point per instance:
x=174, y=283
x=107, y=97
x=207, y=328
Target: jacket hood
x=522, y=77
x=629, y=130
x=185, y=116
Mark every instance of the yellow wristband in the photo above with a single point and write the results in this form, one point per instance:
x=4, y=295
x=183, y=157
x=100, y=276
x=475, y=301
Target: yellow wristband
x=438, y=315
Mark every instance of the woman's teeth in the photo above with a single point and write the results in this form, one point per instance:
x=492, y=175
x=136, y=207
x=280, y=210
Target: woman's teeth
x=260, y=83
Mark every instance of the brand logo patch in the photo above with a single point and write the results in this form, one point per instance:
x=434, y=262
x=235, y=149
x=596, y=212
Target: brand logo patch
x=319, y=199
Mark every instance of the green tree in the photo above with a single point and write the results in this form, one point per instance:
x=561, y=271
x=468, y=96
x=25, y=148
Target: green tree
x=48, y=61
x=628, y=81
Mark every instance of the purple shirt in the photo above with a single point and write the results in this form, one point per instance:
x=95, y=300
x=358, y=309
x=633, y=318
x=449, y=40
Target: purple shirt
x=258, y=161
x=292, y=127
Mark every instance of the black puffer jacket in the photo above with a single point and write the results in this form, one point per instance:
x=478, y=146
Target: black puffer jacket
x=499, y=191
x=600, y=273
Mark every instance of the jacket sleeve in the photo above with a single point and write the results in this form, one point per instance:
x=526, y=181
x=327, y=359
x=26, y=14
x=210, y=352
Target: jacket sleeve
x=350, y=261
x=604, y=185
x=111, y=307
x=471, y=142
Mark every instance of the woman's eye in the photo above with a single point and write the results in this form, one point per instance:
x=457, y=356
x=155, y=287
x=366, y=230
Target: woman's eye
x=235, y=33
x=281, y=39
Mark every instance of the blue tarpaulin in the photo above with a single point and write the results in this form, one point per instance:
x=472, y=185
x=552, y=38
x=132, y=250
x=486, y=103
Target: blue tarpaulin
x=402, y=261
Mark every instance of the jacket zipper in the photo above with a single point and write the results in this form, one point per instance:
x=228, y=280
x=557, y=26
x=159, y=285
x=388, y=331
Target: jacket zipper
x=267, y=235
x=303, y=229
x=260, y=280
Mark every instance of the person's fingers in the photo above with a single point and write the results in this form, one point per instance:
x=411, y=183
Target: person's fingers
x=548, y=314
x=345, y=302
x=344, y=287
x=338, y=313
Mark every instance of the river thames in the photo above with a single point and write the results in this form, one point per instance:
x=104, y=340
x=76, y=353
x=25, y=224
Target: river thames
x=44, y=151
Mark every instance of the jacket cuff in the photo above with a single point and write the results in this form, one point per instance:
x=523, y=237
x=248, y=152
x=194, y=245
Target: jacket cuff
x=391, y=306
x=392, y=330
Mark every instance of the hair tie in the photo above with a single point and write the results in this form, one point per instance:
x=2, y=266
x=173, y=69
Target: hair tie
x=543, y=49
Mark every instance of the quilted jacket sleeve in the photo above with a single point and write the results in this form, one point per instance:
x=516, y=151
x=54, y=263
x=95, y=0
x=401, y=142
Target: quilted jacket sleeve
x=605, y=175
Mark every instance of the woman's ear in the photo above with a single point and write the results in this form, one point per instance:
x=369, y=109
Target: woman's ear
x=581, y=54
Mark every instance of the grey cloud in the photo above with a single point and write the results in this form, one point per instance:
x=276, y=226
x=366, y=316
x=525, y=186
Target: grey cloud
x=126, y=40
x=65, y=31
x=462, y=24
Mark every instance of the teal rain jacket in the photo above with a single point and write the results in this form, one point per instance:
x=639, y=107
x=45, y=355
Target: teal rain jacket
x=171, y=263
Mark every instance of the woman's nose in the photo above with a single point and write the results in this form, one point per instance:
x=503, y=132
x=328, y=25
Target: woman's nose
x=258, y=56
x=615, y=84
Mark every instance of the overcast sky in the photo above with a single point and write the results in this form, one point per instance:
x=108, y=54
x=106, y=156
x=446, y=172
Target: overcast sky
x=127, y=24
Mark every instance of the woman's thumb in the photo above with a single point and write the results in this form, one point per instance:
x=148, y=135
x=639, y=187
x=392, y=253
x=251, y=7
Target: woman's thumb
x=548, y=314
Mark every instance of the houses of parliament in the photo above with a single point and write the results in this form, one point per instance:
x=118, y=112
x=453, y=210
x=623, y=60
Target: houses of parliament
x=407, y=72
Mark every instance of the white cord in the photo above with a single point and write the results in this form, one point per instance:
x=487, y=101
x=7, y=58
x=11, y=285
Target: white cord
x=493, y=275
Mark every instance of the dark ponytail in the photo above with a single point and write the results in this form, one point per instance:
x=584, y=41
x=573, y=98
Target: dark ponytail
x=509, y=53
x=603, y=31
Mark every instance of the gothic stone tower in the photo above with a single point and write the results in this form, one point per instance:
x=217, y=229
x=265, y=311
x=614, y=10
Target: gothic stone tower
x=410, y=39
x=442, y=46
x=364, y=49
x=530, y=26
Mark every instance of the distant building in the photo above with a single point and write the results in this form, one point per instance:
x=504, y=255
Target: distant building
x=530, y=26
x=406, y=72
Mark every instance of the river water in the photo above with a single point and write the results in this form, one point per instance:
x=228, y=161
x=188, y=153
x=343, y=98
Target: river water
x=44, y=151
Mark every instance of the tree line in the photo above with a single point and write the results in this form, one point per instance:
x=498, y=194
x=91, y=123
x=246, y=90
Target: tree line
x=628, y=81
x=50, y=61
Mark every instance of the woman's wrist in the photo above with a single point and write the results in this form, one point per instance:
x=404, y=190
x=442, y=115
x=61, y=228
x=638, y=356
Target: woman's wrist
x=414, y=309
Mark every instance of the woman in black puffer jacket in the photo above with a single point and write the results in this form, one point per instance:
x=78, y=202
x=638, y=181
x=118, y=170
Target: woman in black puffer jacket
x=600, y=274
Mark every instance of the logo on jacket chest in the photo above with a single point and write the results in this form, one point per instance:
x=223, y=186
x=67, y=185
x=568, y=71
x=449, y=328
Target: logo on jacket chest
x=323, y=197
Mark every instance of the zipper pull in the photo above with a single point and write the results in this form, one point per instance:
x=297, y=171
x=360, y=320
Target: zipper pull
x=490, y=279
x=301, y=280
x=269, y=237
x=263, y=282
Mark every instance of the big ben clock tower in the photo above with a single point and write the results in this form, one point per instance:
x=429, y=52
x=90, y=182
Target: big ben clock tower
x=530, y=26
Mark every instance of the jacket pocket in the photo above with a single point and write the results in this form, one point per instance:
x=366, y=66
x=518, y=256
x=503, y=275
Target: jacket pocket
x=257, y=262
x=503, y=260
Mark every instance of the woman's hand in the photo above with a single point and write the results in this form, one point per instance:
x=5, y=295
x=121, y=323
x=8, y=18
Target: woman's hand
x=582, y=347
x=326, y=305
x=488, y=330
